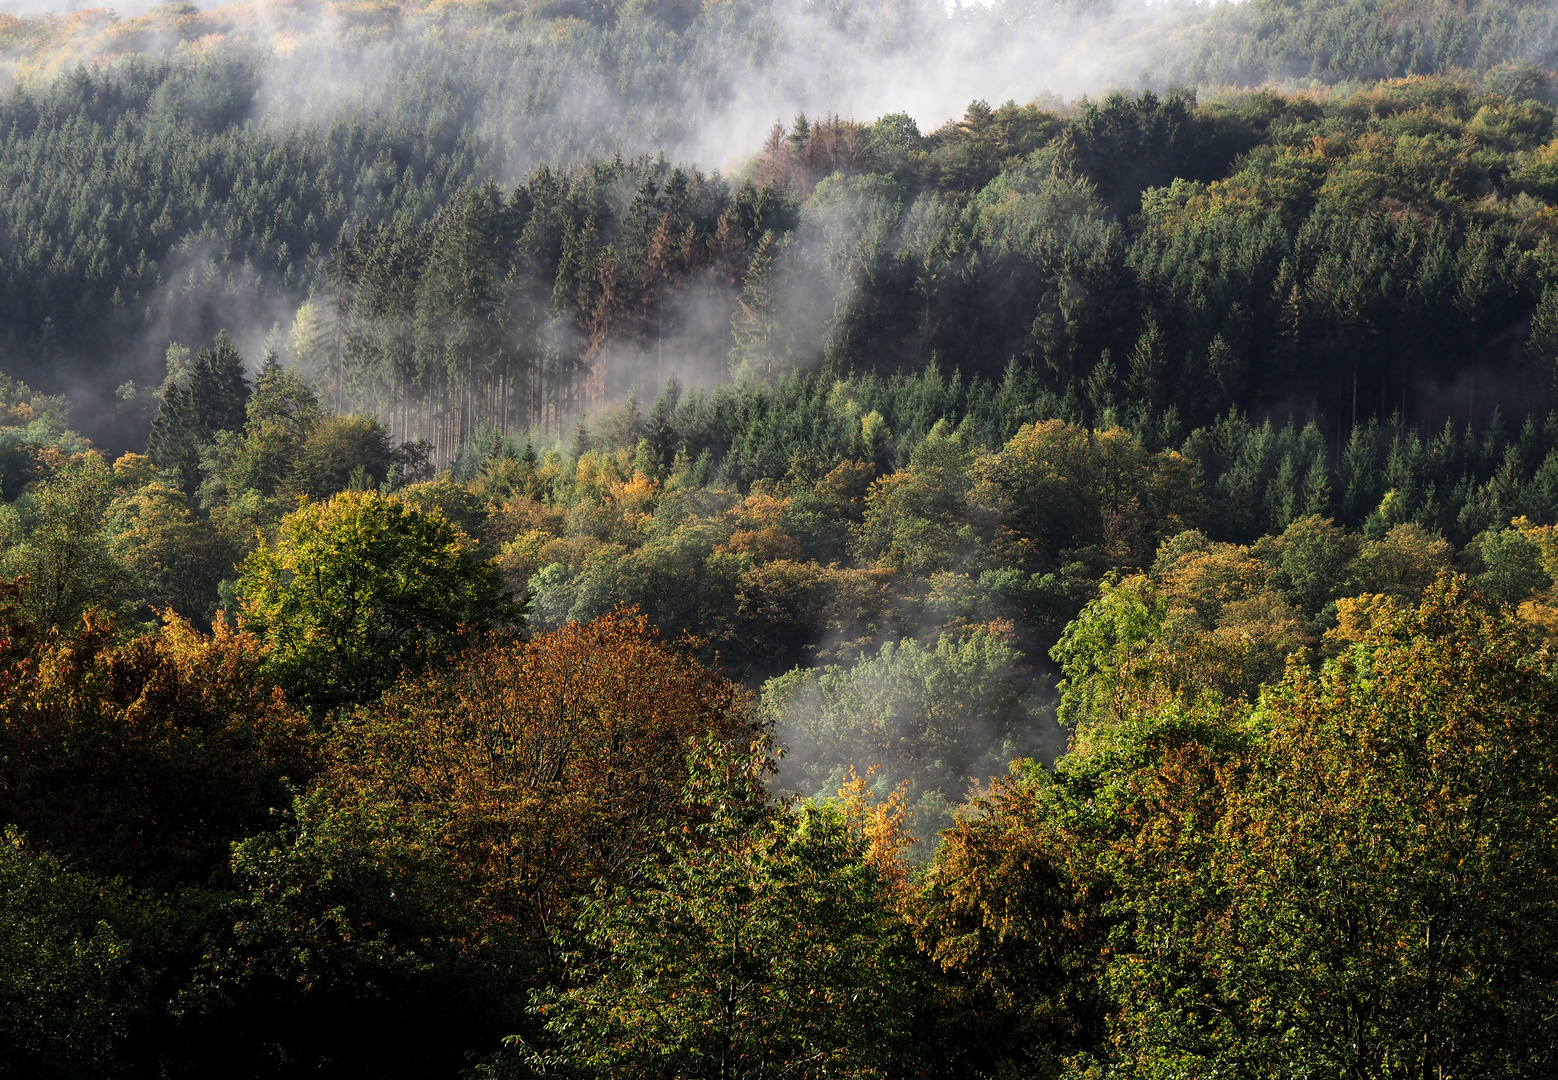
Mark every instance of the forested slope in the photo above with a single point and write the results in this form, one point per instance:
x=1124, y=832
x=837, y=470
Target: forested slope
x=198, y=172
x=394, y=818
x=513, y=563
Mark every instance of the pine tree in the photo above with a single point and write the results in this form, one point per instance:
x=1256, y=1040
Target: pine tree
x=800, y=134
x=728, y=250
x=599, y=324
x=1542, y=345
x=1147, y=370
x=773, y=167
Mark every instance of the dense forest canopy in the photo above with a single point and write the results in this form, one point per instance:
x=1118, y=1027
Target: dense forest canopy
x=515, y=562
x=177, y=172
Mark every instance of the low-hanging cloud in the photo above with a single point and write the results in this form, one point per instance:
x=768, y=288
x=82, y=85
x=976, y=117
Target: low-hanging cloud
x=501, y=89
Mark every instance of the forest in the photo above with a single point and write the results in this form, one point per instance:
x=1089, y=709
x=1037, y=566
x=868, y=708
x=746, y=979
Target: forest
x=529, y=566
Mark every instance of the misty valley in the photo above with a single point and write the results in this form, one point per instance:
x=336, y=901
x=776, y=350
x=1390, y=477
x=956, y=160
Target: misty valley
x=773, y=540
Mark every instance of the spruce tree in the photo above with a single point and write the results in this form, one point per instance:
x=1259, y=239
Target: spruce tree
x=172, y=445
x=218, y=390
x=195, y=402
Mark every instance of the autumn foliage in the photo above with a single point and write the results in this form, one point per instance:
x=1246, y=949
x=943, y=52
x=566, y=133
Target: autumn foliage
x=143, y=757
x=1357, y=871
x=450, y=690
x=541, y=765
x=1371, y=883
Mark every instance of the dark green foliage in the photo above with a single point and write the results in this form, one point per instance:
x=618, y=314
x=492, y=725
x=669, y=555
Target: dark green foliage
x=766, y=948
x=67, y=991
x=1151, y=262
x=120, y=179
x=1127, y=146
x=450, y=326
x=1344, y=280
x=1194, y=396
x=194, y=405
x=1311, y=39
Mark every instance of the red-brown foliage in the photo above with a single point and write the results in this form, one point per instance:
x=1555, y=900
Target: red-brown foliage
x=144, y=757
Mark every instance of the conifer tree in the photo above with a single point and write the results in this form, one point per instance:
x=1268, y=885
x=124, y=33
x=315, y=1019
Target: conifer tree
x=197, y=401
x=218, y=390
x=172, y=446
x=756, y=325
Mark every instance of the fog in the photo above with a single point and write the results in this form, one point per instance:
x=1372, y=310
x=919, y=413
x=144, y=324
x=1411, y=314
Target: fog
x=72, y=7
x=507, y=86
x=551, y=81
x=491, y=89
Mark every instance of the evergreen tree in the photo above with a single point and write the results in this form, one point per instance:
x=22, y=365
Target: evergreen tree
x=218, y=390
x=195, y=403
x=173, y=445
